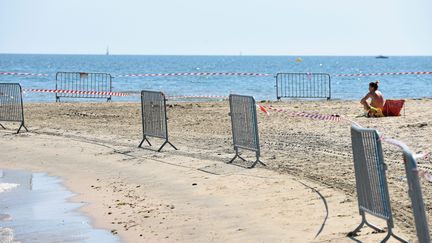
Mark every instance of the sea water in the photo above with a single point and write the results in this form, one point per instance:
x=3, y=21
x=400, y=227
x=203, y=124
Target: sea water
x=395, y=86
x=35, y=207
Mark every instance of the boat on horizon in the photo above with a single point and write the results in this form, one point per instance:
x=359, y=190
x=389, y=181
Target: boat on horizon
x=382, y=57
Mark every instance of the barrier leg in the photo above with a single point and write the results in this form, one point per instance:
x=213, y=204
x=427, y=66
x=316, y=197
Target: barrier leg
x=166, y=142
x=172, y=145
x=21, y=126
x=144, y=139
x=237, y=155
x=2, y=126
x=391, y=233
x=354, y=232
x=378, y=229
x=256, y=162
x=365, y=222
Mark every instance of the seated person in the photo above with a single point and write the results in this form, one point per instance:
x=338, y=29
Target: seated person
x=374, y=109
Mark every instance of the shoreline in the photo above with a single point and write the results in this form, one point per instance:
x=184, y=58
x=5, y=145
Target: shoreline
x=108, y=133
x=40, y=209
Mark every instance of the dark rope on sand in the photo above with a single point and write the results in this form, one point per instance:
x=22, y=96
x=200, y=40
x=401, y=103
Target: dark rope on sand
x=325, y=204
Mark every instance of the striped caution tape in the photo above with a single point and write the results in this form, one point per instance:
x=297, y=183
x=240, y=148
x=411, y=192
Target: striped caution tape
x=122, y=94
x=425, y=175
x=195, y=74
x=263, y=109
x=76, y=92
x=382, y=74
x=249, y=74
x=197, y=97
x=305, y=115
x=23, y=74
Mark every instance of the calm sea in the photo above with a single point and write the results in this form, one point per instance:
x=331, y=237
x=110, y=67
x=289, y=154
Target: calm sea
x=407, y=86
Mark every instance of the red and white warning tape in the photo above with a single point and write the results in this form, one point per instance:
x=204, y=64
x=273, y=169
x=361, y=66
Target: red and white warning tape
x=303, y=114
x=23, y=74
x=194, y=74
x=160, y=74
x=196, y=97
x=381, y=74
x=227, y=74
x=263, y=109
x=75, y=92
x=121, y=94
x=425, y=175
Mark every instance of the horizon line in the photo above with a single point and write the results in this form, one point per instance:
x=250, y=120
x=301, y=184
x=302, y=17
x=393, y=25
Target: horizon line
x=238, y=55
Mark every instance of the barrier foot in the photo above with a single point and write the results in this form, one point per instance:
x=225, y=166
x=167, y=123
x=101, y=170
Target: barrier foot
x=166, y=142
x=250, y=167
x=232, y=160
x=144, y=139
x=2, y=126
x=390, y=233
x=354, y=232
x=365, y=222
x=257, y=162
x=172, y=145
x=22, y=125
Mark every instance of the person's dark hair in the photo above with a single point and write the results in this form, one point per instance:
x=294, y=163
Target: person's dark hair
x=374, y=85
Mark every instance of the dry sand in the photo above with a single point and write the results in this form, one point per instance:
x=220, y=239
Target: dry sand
x=191, y=195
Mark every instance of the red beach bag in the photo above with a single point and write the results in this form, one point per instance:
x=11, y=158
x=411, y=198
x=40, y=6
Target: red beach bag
x=393, y=107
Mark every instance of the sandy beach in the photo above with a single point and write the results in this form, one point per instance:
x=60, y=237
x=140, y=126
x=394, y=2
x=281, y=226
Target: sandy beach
x=305, y=194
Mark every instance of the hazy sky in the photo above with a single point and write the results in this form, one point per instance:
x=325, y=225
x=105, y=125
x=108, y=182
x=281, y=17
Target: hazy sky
x=217, y=27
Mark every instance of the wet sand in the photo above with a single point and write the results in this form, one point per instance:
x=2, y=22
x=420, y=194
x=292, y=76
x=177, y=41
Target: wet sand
x=191, y=194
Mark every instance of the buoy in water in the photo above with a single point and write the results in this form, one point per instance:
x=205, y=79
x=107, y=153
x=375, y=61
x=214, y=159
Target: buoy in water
x=298, y=59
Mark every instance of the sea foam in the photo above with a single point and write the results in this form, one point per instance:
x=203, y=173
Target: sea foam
x=7, y=186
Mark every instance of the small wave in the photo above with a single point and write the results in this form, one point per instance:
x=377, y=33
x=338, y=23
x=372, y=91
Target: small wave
x=7, y=235
x=7, y=186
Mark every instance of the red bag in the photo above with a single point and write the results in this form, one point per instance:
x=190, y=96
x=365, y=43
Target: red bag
x=393, y=107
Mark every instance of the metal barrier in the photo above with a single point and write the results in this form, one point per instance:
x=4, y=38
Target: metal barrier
x=154, y=117
x=11, y=104
x=371, y=182
x=303, y=85
x=79, y=81
x=244, y=126
x=415, y=193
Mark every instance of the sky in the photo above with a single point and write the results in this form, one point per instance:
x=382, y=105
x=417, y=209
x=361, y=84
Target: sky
x=217, y=27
